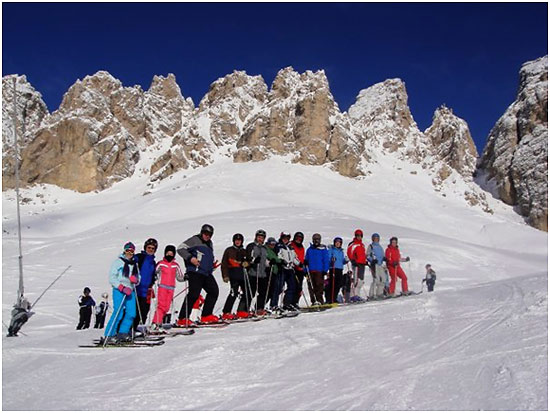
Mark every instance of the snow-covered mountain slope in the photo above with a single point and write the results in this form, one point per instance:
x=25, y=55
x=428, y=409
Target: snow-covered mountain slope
x=478, y=342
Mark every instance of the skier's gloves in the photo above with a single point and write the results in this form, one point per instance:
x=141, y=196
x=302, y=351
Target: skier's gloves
x=225, y=279
x=124, y=290
x=245, y=264
x=272, y=261
x=257, y=260
x=133, y=279
x=306, y=262
x=407, y=259
x=375, y=261
x=395, y=263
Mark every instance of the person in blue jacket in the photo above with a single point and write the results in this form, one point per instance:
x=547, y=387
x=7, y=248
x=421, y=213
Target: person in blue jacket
x=317, y=265
x=337, y=259
x=147, y=265
x=123, y=276
x=376, y=258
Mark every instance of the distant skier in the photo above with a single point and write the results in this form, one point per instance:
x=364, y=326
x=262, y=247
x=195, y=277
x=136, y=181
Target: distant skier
x=375, y=258
x=299, y=270
x=167, y=272
x=233, y=267
x=430, y=278
x=337, y=260
x=393, y=260
x=19, y=315
x=317, y=264
x=123, y=276
x=256, y=253
x=86, y=303
x=288, y=261
x=358, y=257
x=198, y=255
x=144, y=291
x=101, y=311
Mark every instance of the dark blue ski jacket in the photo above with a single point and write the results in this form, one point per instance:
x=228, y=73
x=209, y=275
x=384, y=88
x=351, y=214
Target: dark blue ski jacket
x=146, y=265
x=317, y=258
x=201, y=250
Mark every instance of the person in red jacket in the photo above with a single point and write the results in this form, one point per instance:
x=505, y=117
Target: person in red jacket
x=393, y=260
x=357, y=254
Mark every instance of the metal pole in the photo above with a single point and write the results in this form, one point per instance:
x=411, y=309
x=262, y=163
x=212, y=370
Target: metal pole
x=21, y=289
x=50, y=286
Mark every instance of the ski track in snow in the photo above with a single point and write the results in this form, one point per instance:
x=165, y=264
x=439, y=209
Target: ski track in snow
x=478, y=342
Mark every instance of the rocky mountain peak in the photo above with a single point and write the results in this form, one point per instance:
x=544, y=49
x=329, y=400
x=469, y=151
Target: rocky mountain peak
x=165, y=86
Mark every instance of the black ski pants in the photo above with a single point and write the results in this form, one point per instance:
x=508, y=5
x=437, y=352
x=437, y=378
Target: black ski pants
x=99, y=321
x=335, y=282
x=197, y=283
x=234, y=293
x=142, y=310
x=430, y=284
x=85, y=318
x=260, y=285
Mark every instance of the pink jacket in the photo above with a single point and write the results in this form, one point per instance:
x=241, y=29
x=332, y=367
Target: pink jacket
x=166, y=273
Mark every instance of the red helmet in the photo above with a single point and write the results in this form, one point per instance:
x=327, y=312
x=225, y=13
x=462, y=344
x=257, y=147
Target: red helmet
x=358, y=232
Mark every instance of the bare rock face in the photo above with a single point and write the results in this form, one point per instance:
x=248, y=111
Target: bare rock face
x=301, y=118
x=382, y=114
x=31, y=110
x=515, y=158
x=452, y=142
x=88, y=143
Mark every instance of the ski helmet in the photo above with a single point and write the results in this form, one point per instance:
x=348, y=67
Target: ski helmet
x=299, y=235
x=285, y=235
x=238, y=237
x=261, y=233
x=105, y=295
x=375, y=235
x=129, y=246
x=170, y=248
x=207, y=229
x=358, y=232
x=87, y=290
x=338, y=239
x=151, y=241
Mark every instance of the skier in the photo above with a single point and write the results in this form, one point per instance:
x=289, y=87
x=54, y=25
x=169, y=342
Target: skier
x=86, y=303
x=123, y=276
x=198, y=254
x=337, y=259
x=393, y=260
x=358, y=257
x=273, y=271
x=375, y=258
x=288, y=261
x=430, y=278
x=147, y=266
x=256, y=253
x=19, y=315
x=233, y=267
x=299, y=269
x=317, y=265
x=167, y=271
x=101, y=311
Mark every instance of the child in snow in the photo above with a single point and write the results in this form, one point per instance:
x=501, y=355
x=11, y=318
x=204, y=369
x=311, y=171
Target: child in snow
x=168, y=270
x=337, y=259
x=86, y=303
x=317, y=265
x=123, y=276
x=430, y=278
x=394, y=260
x=101, y=311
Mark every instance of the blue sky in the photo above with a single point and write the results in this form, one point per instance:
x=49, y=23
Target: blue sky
x=464, y=55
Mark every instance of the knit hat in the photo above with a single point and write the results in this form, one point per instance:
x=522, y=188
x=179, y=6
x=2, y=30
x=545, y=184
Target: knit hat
x=271, y=240
x=170, y=248
x=129, y=246
x=87, y=290
x=358, y=232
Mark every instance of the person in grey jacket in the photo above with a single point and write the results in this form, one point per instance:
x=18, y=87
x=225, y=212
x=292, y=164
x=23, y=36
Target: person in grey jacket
x=256, y=253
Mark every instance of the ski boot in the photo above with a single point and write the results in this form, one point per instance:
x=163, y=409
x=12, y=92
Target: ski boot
x=210, y=319
x=229, y=316
x=184, y=322
x=244, y=314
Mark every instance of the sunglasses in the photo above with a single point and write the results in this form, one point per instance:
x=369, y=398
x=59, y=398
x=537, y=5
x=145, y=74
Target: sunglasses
x=131, y=251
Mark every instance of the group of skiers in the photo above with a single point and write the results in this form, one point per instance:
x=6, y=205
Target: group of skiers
x=265, y=271
x=87, y=305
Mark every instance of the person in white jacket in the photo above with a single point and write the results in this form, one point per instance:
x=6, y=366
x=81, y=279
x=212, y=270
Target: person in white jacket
x=286, y=276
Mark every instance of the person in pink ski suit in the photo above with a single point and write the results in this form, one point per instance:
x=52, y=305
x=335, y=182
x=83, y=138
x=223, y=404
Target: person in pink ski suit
x=393, y=261
x=168, y=270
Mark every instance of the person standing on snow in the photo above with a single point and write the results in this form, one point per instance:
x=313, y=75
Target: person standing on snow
x=375, y=258
x=233, y=267
x=101, y=311
x=358, y=257
x=123, y=276
x=198, y=254
x=337, y=259
x=144, y=291
x=274, y=272
x=430, y=278
x=299, y=269
x=288, y=262
x=256, y=254
x=167, y=272
x=86, y=303
x=317, y=264
x=393, y=261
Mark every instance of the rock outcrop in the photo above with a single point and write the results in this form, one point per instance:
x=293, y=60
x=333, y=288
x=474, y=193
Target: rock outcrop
x=515, y=158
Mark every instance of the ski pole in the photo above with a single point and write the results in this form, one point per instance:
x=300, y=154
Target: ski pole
x=303, y=295
x=332, y=298
x=268, y=285
x=114, y=320
x=49, y=286
x=313, y=295
x=247, y=292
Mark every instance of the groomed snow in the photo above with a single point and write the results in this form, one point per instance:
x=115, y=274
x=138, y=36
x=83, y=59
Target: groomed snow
x=478, y=342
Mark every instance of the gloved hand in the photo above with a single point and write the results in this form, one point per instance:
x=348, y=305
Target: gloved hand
x=407, y=259
x=333, y=259
x=256, y=260
x=150, y=293
x=306, y=262
x=133, y=279
x=124, y=290
x=217, y=264
x=273, y=261
x=245, y=264
x=375, y=260
x=395, y=263
x=225, y=278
